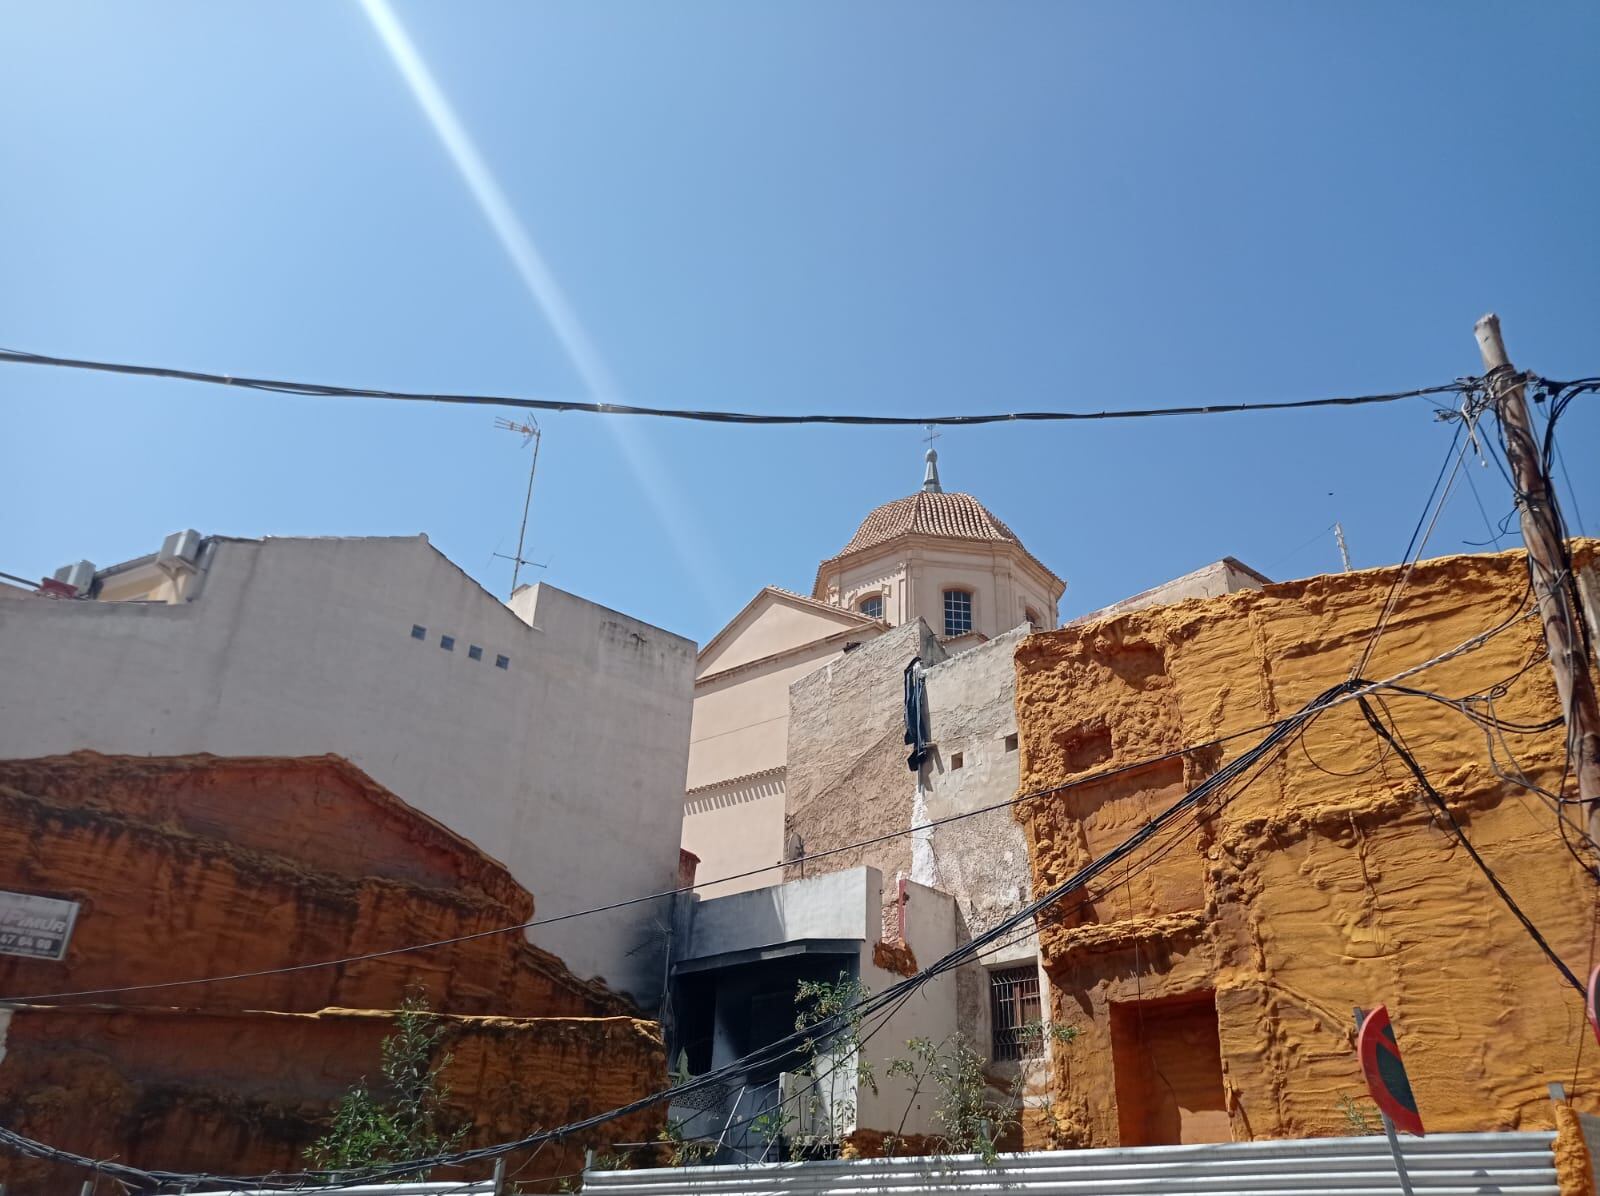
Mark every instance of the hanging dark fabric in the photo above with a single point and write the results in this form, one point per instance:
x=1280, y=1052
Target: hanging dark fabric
x=916, y=714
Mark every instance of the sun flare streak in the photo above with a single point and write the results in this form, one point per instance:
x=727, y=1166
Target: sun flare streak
x=542, y=285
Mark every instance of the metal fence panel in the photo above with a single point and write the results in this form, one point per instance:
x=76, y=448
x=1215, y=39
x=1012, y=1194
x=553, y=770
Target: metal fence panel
x=432, y=1187
x=1509, y=1164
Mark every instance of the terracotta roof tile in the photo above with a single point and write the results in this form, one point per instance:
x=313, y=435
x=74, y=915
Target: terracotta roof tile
x=955, y=516
x=929, y=514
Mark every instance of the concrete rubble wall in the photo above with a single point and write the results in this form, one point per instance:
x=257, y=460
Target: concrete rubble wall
x=1324, y=884
x=247, y=1092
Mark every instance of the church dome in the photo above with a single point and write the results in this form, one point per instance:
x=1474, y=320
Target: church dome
x=943, y=558
x=928, y=513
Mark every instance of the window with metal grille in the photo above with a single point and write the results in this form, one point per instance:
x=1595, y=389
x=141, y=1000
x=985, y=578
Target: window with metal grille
x=1014, y=1004
x=872, y=606
x=957, y=612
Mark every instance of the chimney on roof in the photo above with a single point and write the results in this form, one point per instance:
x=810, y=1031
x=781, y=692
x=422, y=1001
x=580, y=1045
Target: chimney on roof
x=930, y=478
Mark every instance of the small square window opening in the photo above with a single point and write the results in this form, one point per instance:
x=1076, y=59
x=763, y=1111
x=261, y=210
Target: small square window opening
x=957, y=760
x=1013, y=1007
x=475, y=652
x=447, y=642
x=502, y=662
x=418, y=632
x=1011, y=742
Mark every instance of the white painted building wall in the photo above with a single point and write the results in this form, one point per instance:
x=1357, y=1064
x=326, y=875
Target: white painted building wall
x=838, y=907
x=897, y=1105
x=567, y=765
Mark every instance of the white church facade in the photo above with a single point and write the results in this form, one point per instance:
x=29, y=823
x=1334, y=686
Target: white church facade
x=934, y=555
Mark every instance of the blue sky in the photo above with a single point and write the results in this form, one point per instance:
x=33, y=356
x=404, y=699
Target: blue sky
x=891, y=207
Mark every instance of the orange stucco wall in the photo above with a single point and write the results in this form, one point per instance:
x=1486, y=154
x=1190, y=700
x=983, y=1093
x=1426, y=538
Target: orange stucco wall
x=245, y=1093
x=1323, y=884
x=198, y=866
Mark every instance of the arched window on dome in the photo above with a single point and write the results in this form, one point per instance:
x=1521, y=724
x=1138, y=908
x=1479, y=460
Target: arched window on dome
x=871, y=606
x=1032, y=616
x=957, y=613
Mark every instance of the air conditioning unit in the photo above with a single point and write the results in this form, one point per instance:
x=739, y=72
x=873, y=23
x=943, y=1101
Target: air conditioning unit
x=79, y=576
x=180, y=553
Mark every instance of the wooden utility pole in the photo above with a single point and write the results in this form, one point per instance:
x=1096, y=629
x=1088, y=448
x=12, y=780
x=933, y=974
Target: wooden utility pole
x=1536, y=502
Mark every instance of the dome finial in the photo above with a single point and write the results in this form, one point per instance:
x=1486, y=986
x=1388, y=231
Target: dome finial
x=930, y=476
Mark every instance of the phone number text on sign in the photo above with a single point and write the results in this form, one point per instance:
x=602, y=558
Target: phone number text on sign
x=37, y=927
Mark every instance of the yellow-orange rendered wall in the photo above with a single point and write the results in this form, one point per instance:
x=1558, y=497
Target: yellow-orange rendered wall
x=1323, y=884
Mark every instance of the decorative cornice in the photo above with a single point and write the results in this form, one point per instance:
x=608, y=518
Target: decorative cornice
x=735, y=791
x=1012, y=550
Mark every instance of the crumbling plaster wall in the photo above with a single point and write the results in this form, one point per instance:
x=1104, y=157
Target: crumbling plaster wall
x=849, y=782
x=848, y=779
x=1325, y=883
x=981, y=860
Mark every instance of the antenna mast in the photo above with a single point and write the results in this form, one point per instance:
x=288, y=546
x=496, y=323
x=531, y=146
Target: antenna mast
x=530, y=432
x=1344, y=553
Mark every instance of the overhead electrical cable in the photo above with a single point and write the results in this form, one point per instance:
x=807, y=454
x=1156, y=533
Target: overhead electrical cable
x=1049, y=791
x=1414, y=548
x=825, y=853
x=1281, y=735
x=322, y=390
x=1447, y=816
x=1180, y=833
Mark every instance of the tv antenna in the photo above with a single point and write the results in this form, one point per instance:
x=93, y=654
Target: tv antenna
x=530, y=435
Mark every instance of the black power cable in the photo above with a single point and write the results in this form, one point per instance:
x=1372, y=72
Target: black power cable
x=320, y=390
x=825, y=853
x=158, y=1180
x=1450, y=820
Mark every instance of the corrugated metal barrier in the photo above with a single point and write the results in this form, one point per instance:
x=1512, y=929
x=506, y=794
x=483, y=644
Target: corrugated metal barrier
x=432, y=1187
x=1519, y=1164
